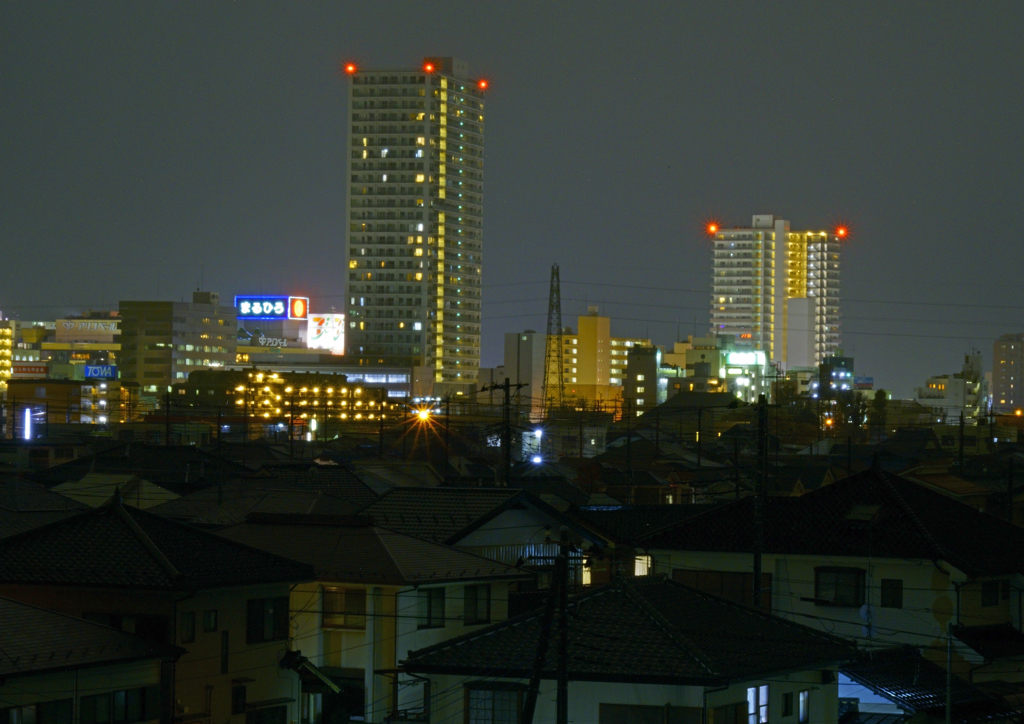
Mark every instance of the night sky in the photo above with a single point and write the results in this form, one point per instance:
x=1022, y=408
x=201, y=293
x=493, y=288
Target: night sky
x=148, y=146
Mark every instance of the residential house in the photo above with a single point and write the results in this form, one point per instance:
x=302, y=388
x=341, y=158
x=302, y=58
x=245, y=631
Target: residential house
x=25, y=505
x=60, y=669
x=378, y=594
x=639, y=650
x=225, y=603
x=873, y=557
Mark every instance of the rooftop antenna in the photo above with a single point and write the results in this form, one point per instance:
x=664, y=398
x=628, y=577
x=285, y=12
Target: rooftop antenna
x=554, y=377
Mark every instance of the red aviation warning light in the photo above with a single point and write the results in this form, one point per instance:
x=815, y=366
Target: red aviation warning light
x=842, y=232
x=711, y=228
x=428, y=67
x=482, y=84
x=350, y=68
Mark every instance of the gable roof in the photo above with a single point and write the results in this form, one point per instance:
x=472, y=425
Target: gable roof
x=351, y=549
x=117, y=546
x=95, y=489
x=34, y=640
x=25, y=505
x=642, y=630
x=905, y=520
x=444, y=515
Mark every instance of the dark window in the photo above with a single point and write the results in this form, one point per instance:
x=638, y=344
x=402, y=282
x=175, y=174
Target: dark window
x=787, y=704
x=990, y=593
x=49, y=712
x=892, y=593
x=210, y=621
x=431, y=608
x=344, y=608
x=839, y=586
x=642, y=714
x=238, y=699
x=267, y=620
x=269, y=715
x=493, y=704
x=730, y=713
x=224, y=649
x=477, y=604
x=123, y=707
x=188, y=627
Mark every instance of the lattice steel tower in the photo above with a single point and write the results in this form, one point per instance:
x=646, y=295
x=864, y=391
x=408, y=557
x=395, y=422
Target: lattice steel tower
x=554, y=378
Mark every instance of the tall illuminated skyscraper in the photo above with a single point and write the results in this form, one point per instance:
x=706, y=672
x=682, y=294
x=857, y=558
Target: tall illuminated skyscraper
x=777, y=290
x=414, y=211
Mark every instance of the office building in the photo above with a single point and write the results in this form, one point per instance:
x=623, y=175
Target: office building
x=162, y=342
x=414, y=239
x=777, y=290
x=1007, y=362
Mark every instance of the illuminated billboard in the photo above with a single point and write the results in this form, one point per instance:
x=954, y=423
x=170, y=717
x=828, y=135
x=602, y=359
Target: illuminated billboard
x=327, y=331
x=271, y=307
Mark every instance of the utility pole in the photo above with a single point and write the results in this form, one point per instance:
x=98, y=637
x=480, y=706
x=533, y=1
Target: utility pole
x=380, y=427
x=506, y=425
x=447, y=427
x=961, y=442
x=581, y=433
x=759, y=489
x=167, y=418
x=291, y=425
x=700, y=420
x=629, y=448
x=562, y=574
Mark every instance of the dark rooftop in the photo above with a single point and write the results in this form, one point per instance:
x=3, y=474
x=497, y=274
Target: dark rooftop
x=34, y=640
x=642, y=630
x=351, y=549
x=117, y=546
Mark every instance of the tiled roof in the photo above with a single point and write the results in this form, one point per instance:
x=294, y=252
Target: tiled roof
x=903, y=676
x=25, y=505
x=34, y=640
x=627, y=523
x=122, y=547
x=437, y=514
x=642, y=630
x=905, y=520
x=241, y=498
x=179, y=468
x=350, y=549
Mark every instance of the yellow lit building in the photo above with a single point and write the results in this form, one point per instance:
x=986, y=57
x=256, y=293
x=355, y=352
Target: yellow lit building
x=595, y=362
x=777, y=290
x=6, y=344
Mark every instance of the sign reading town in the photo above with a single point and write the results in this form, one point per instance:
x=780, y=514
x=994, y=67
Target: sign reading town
x=262, y=307
x=326, y=331
x=101, y=372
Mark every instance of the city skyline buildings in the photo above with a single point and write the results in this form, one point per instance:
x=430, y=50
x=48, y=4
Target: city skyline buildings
x=414, y=210
x=777, y=289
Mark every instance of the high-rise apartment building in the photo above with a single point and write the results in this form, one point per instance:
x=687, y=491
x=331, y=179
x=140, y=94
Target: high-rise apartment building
x=1007, y=362
x=777, y=290
x=414, y=243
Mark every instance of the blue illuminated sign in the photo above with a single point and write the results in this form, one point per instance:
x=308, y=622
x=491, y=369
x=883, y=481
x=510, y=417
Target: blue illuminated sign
x=101, y=372
x=271, y=307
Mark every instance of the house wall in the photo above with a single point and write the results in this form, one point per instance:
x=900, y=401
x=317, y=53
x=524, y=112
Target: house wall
x=199, y=668
x=448, y=697
x=199, y=674
x=930, y=601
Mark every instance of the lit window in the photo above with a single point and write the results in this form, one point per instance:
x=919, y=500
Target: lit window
x=420, y=178
x=805, y=707
x=640, y=389
x=757, y=705
x=641, y=565
x=639, y=378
